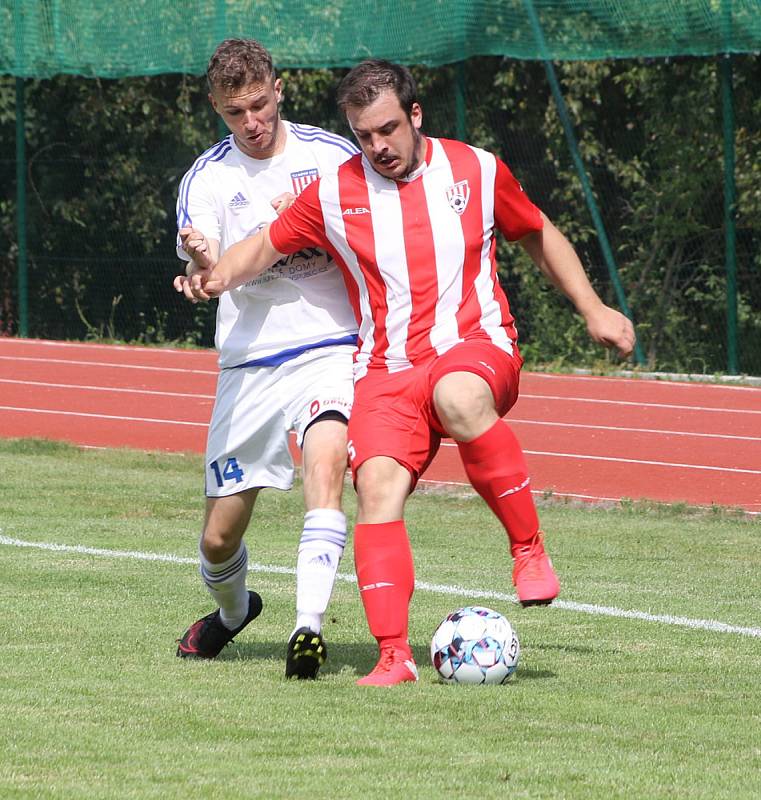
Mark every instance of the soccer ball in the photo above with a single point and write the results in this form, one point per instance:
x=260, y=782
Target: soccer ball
x=475, y=645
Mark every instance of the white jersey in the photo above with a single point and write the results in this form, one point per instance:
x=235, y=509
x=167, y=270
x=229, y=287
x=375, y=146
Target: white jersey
x=300, y=303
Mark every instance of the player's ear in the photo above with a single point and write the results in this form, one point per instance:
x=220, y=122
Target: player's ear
x=416, y=116
x=278, y=89
x=213, y=101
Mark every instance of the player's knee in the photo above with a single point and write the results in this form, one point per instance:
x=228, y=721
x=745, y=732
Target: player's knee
x=324, y=491
x=326, y=471
x=382, y=488
x=219, y=544
x=462, y=403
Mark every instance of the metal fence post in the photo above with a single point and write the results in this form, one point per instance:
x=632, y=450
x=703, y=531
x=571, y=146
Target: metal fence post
x=573, y=146
x=460, y=100
x=22, y=266
x=730, y=193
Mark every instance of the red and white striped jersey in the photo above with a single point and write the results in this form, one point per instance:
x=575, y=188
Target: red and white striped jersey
x=418, y=255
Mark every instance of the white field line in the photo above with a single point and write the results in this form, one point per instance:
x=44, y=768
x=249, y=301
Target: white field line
x=436, y=588
x=116, y=390
x=112, y=365
x=639, y=404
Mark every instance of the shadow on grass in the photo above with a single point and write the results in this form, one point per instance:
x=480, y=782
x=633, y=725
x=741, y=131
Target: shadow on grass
x=359, y=658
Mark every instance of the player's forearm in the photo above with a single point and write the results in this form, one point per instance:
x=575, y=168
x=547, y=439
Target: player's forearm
x=556, y=258
x=243, y=262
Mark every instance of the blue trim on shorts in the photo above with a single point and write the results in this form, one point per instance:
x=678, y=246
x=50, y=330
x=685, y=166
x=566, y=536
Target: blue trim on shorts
x=276, y=359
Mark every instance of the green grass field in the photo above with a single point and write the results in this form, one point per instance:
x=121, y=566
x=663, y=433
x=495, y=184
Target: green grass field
x=96, y=705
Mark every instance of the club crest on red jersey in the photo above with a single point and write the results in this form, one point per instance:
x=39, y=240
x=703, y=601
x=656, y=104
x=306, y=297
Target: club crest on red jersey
x=458, y=196
x=302, y=179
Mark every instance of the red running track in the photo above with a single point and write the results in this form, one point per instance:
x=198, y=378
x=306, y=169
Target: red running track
x=585, y=437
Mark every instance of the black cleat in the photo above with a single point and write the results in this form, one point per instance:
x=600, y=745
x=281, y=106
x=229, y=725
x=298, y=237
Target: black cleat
x=306, y=654
x=207, y=637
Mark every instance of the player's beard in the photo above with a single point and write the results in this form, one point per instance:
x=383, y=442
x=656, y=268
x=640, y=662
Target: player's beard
x=416, y=157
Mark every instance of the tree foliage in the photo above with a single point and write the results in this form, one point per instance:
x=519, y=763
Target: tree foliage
x=104, y=160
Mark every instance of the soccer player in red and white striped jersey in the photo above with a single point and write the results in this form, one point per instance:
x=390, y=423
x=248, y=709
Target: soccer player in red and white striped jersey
x=411, y=222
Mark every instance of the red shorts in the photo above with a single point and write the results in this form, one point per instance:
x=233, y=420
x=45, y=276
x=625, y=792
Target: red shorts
x=393, y=413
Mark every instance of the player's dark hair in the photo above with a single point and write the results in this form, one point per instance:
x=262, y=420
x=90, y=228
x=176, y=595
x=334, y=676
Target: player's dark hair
x=364, y=83
x=237, y=63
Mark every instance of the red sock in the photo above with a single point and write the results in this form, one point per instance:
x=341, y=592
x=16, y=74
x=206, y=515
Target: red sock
x=496, y=467
x=386, y=578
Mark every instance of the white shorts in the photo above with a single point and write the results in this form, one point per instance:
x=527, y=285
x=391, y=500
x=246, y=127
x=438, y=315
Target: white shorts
x=257, y=407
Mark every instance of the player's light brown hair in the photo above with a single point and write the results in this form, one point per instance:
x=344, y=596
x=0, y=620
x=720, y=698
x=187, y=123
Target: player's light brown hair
x=364, y=83
x=237, y=63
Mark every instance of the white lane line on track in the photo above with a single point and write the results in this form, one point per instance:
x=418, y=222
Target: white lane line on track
x=117, y=390
x=644, y=462
x=685, y=380
x=564, y=398
x=111, y=365
x=437, y=588
x=43, y=343
x=678, y=380
x=103, y=416
x=630, y=461
x=567, y=398
x=443, y=444
x=511, y=420
x=623, y=429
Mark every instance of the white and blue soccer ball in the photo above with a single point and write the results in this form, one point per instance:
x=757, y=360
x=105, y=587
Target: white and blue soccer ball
x=475, y=645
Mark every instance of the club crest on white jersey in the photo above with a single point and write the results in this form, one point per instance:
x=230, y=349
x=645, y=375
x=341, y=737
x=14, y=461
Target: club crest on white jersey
x=302, y=179
x=458, y=196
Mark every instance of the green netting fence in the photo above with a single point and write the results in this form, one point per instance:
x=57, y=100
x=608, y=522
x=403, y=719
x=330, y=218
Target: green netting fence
x=147, y=37
x=636, y=126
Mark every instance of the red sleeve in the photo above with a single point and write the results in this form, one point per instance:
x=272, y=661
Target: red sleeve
x=301, y=225
x=515, y=215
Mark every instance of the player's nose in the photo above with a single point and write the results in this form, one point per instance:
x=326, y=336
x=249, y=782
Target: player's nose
x=378, y=144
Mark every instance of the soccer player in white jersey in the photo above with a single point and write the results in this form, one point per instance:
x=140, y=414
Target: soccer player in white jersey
x=285, y=341
x=411, y=222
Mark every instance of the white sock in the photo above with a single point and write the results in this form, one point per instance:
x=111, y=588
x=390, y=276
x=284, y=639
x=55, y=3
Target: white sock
x=320, y=549
x=226, y=583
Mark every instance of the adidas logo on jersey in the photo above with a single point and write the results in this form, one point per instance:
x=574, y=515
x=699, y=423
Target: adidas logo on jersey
x=349, y=212
x=239, y=201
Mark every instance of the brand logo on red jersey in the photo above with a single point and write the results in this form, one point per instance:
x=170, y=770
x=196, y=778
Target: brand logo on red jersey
x=458, y=196
x=302, y=179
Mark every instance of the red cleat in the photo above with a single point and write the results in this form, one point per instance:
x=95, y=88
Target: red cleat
x=394, y=666
x=533, y=576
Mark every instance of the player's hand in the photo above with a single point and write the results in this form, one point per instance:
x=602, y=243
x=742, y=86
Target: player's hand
x=194, y=243
x=612, y=329
x=283, y=201
x=193, y=283
x=214, y=288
